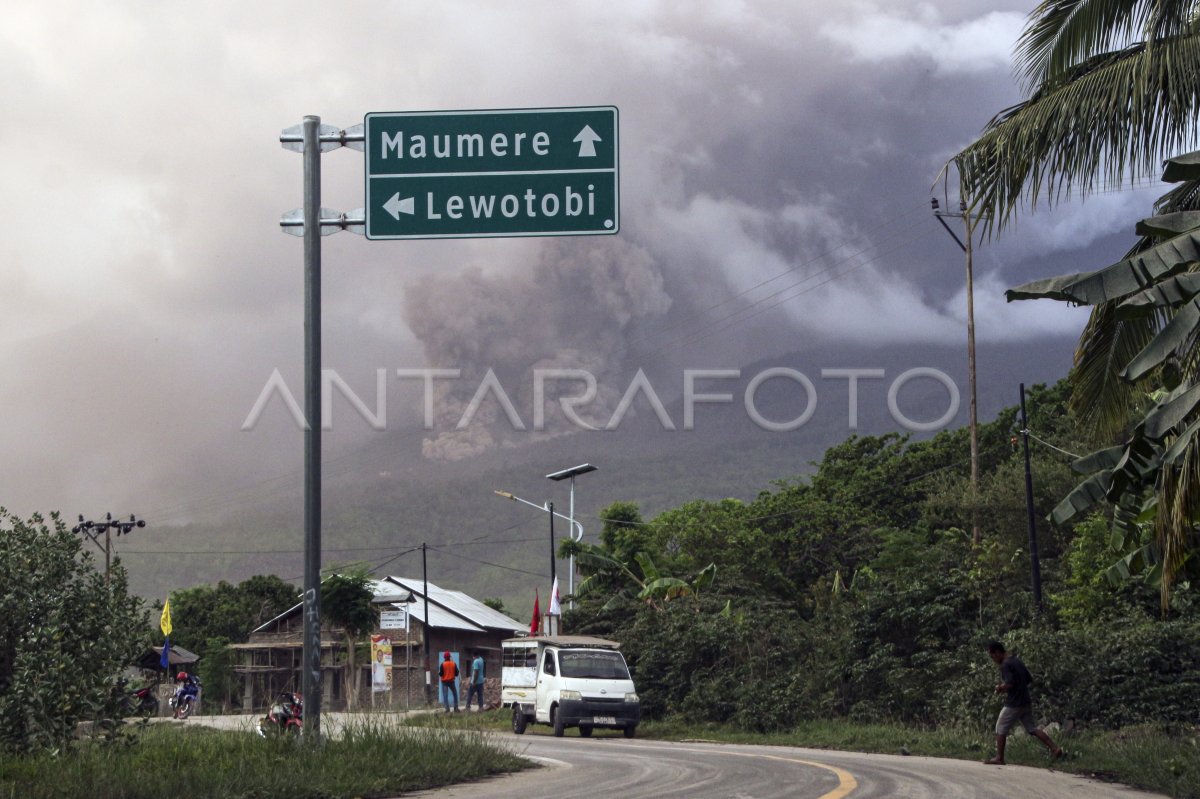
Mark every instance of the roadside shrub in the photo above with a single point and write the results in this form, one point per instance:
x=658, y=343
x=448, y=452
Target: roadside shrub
x=692, y=660
x=1115, y=675
x=64, y=634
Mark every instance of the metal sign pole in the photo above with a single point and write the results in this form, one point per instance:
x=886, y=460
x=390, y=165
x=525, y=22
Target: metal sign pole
x=311, y=676
x=311, y=139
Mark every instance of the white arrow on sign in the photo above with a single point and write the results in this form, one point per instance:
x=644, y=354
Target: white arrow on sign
x=587, y=139
x=395, y=206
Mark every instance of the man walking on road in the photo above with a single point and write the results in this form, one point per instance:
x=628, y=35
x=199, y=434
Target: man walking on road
x=475, y=688
x=449, y=674
x=1015, y=680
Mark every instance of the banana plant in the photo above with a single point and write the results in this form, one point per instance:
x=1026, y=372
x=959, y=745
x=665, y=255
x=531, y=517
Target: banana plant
x=650, y=585
x=1153, y=477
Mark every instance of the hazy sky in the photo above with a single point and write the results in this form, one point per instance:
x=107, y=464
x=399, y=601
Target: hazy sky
x=149, y=293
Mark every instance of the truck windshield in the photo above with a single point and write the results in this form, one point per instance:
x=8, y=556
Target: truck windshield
x=593, y=665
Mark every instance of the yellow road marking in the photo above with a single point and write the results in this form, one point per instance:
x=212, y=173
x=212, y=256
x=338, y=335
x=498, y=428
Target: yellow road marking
x=846, y=781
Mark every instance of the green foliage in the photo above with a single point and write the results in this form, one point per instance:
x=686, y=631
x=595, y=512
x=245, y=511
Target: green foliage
x=215, y=668
x=857, y=594
x=1088, y=596
x=691, y=660
x=207, y=618
x=1115, y=674
x=227, y=611
x=1113, y=93
x=346, y=603
x=65, y=635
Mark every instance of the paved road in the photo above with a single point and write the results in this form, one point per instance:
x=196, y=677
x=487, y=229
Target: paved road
x=604, y=766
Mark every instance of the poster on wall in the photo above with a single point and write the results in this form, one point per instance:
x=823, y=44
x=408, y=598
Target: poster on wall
x=381, y=664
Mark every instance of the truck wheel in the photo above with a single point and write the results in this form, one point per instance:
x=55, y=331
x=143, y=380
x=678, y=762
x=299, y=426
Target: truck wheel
x=585, y=732
x=556, y=720
x=519, y=721
x=630, y=731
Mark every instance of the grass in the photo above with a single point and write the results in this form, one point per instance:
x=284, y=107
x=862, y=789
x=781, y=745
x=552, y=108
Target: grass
x=1162, y=759
x=367, y=760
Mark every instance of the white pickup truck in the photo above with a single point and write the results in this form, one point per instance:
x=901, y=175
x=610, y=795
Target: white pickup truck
x=568, y=681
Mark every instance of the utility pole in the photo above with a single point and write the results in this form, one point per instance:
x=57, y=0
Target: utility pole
x=93, y=529
x=1035, y=566
x=425, y=630
x=967, y=248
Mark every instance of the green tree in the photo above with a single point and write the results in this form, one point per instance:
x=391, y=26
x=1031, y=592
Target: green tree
x=1112, y=90
x=346, y=603
x=65, y=633
x=208, y=618
x=227, y=611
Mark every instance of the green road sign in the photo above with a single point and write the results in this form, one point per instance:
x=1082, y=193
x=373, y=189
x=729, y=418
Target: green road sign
x=469, y=174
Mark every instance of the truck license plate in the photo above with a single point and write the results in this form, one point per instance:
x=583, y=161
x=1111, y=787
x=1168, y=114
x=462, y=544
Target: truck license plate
x=604, y=720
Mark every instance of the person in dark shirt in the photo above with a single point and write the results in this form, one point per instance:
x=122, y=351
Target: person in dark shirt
x=1015, y=680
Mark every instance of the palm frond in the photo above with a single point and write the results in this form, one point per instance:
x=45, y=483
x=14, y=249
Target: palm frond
x=1061, y=33
x=1100, y=399
x=1113, y=118
x=1179, y=509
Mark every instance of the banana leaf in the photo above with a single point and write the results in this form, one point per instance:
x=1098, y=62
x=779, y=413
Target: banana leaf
x=1179, y=331
x=1133, y=274
x=1179, y=447
x=1166, y=294
x=1137, y=467
x=1100, y=459
x=1182, y=167
x=1049, y=288
x=1167, y=225
x=1083, y=497
x=1166, y=415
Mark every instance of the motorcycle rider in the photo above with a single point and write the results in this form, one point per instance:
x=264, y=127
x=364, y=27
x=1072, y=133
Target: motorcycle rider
x=187, y=691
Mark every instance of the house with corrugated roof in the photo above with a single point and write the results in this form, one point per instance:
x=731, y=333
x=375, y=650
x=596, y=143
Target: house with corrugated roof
x=435, y=621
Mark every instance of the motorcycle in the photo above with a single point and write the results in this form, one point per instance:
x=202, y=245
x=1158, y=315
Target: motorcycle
x=286, y=715
x=186, y=695
x=182, y=704
x=143, y=702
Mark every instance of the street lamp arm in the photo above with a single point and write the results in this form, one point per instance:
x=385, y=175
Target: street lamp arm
x=578, y=532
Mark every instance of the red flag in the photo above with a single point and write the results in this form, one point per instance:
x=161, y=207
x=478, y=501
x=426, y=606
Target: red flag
x=537, y=615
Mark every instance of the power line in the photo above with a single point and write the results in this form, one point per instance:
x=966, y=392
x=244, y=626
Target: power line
x=1051, y=446
x=486, y=562
x=693, y=336
x=699, y=314
x=296, y=551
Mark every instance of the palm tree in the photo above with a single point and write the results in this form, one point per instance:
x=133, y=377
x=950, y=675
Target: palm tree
x=1114, y=88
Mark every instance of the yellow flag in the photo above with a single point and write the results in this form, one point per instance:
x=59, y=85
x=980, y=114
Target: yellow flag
x=165, y=621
